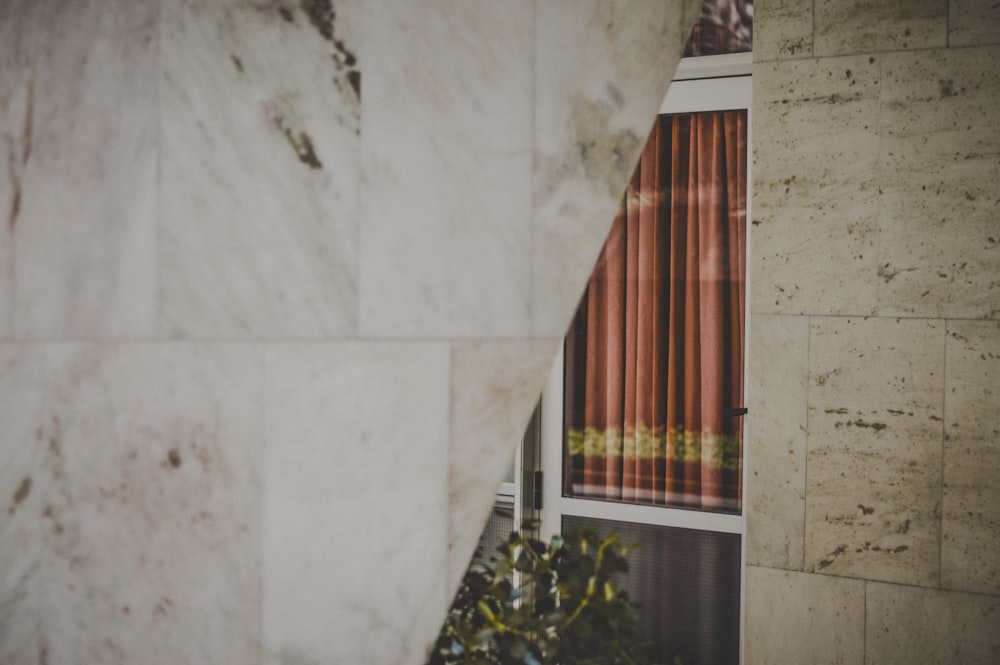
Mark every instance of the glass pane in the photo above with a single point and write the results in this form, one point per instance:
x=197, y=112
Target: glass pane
x=687, y=586
x=498, y=527
x=725, y=26
x=654, y=357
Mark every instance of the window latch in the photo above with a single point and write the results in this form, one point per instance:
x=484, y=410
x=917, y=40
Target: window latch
x=536, y=491
x=732, y=413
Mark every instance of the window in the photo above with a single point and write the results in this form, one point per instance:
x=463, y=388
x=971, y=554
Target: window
x=640, y=419
x=638, y=427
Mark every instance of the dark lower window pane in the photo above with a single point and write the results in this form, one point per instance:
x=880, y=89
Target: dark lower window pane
x=687, y=585
x=725, y=26
x=498, y=528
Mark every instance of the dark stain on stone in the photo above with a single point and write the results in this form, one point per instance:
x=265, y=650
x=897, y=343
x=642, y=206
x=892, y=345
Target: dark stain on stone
x=237, y=63
x=163, y=606
x=904, y=527
x=947, y=87
x=50, y=514
x=865, y=510
x=22, y=491
x=17, y=164
x=897, y=550
x=831, y=557
x=174, y=457
x=321, y=15
x=126, y=609
x=15, y=188
x=55, y=438
x=303, y=147
x=878, y=427
x=354, y=78
x=287, y=14
x=840, y=411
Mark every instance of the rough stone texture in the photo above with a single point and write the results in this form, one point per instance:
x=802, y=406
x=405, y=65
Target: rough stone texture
x=901, y=427
x=822, y=618
x=875, y=427
x=782, y=29
x=970, y=547
x=910, y=625
x=973, y=22
x=861, y=26
x=939, y=243
x=815, y=206
x=776, y=441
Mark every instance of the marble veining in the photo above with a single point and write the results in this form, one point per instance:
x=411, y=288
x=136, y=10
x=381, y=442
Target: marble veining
x=17, y=99
x=874, y=449
x=152, y=457
x=86, y=258
x=593, y=109
x=260, y=171
x=447, y=131
x=356, y=514
x=494, y=386
x=22, y=488
x=208, y=195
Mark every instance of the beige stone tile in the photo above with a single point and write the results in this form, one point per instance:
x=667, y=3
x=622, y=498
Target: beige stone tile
x=862, y=26
x=874, y=461
x=973, y=22
x=152, y=522
x=815, y=178
x=601, y=71
x=912, y=625
x=495, y=384
x=970, y=538
x=356, y=511
x=939, y=160
x=800, y=618
x=776, y=440
x=782, y=29
x=23, y=486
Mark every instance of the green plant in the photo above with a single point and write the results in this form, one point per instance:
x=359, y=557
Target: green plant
x=565, y=610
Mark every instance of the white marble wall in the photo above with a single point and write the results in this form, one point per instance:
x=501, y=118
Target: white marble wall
x=278, y=290
x=873, y=436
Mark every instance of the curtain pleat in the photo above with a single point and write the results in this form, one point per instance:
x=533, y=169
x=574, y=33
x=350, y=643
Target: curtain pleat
x=655, y=351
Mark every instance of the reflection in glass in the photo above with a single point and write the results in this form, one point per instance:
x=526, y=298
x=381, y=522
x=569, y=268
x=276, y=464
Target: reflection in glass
x=725, y=26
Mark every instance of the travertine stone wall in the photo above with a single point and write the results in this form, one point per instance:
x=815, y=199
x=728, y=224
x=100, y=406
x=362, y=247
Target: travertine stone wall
x=874, y=436
x=278, y=290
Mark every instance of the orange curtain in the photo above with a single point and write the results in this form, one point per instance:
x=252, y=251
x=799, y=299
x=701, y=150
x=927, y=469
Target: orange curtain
x=654, y=356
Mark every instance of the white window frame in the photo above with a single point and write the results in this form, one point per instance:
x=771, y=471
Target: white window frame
x=710, y=83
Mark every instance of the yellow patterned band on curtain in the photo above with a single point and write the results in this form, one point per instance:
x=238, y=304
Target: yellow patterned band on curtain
x=592, y=442
x=720, y=450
